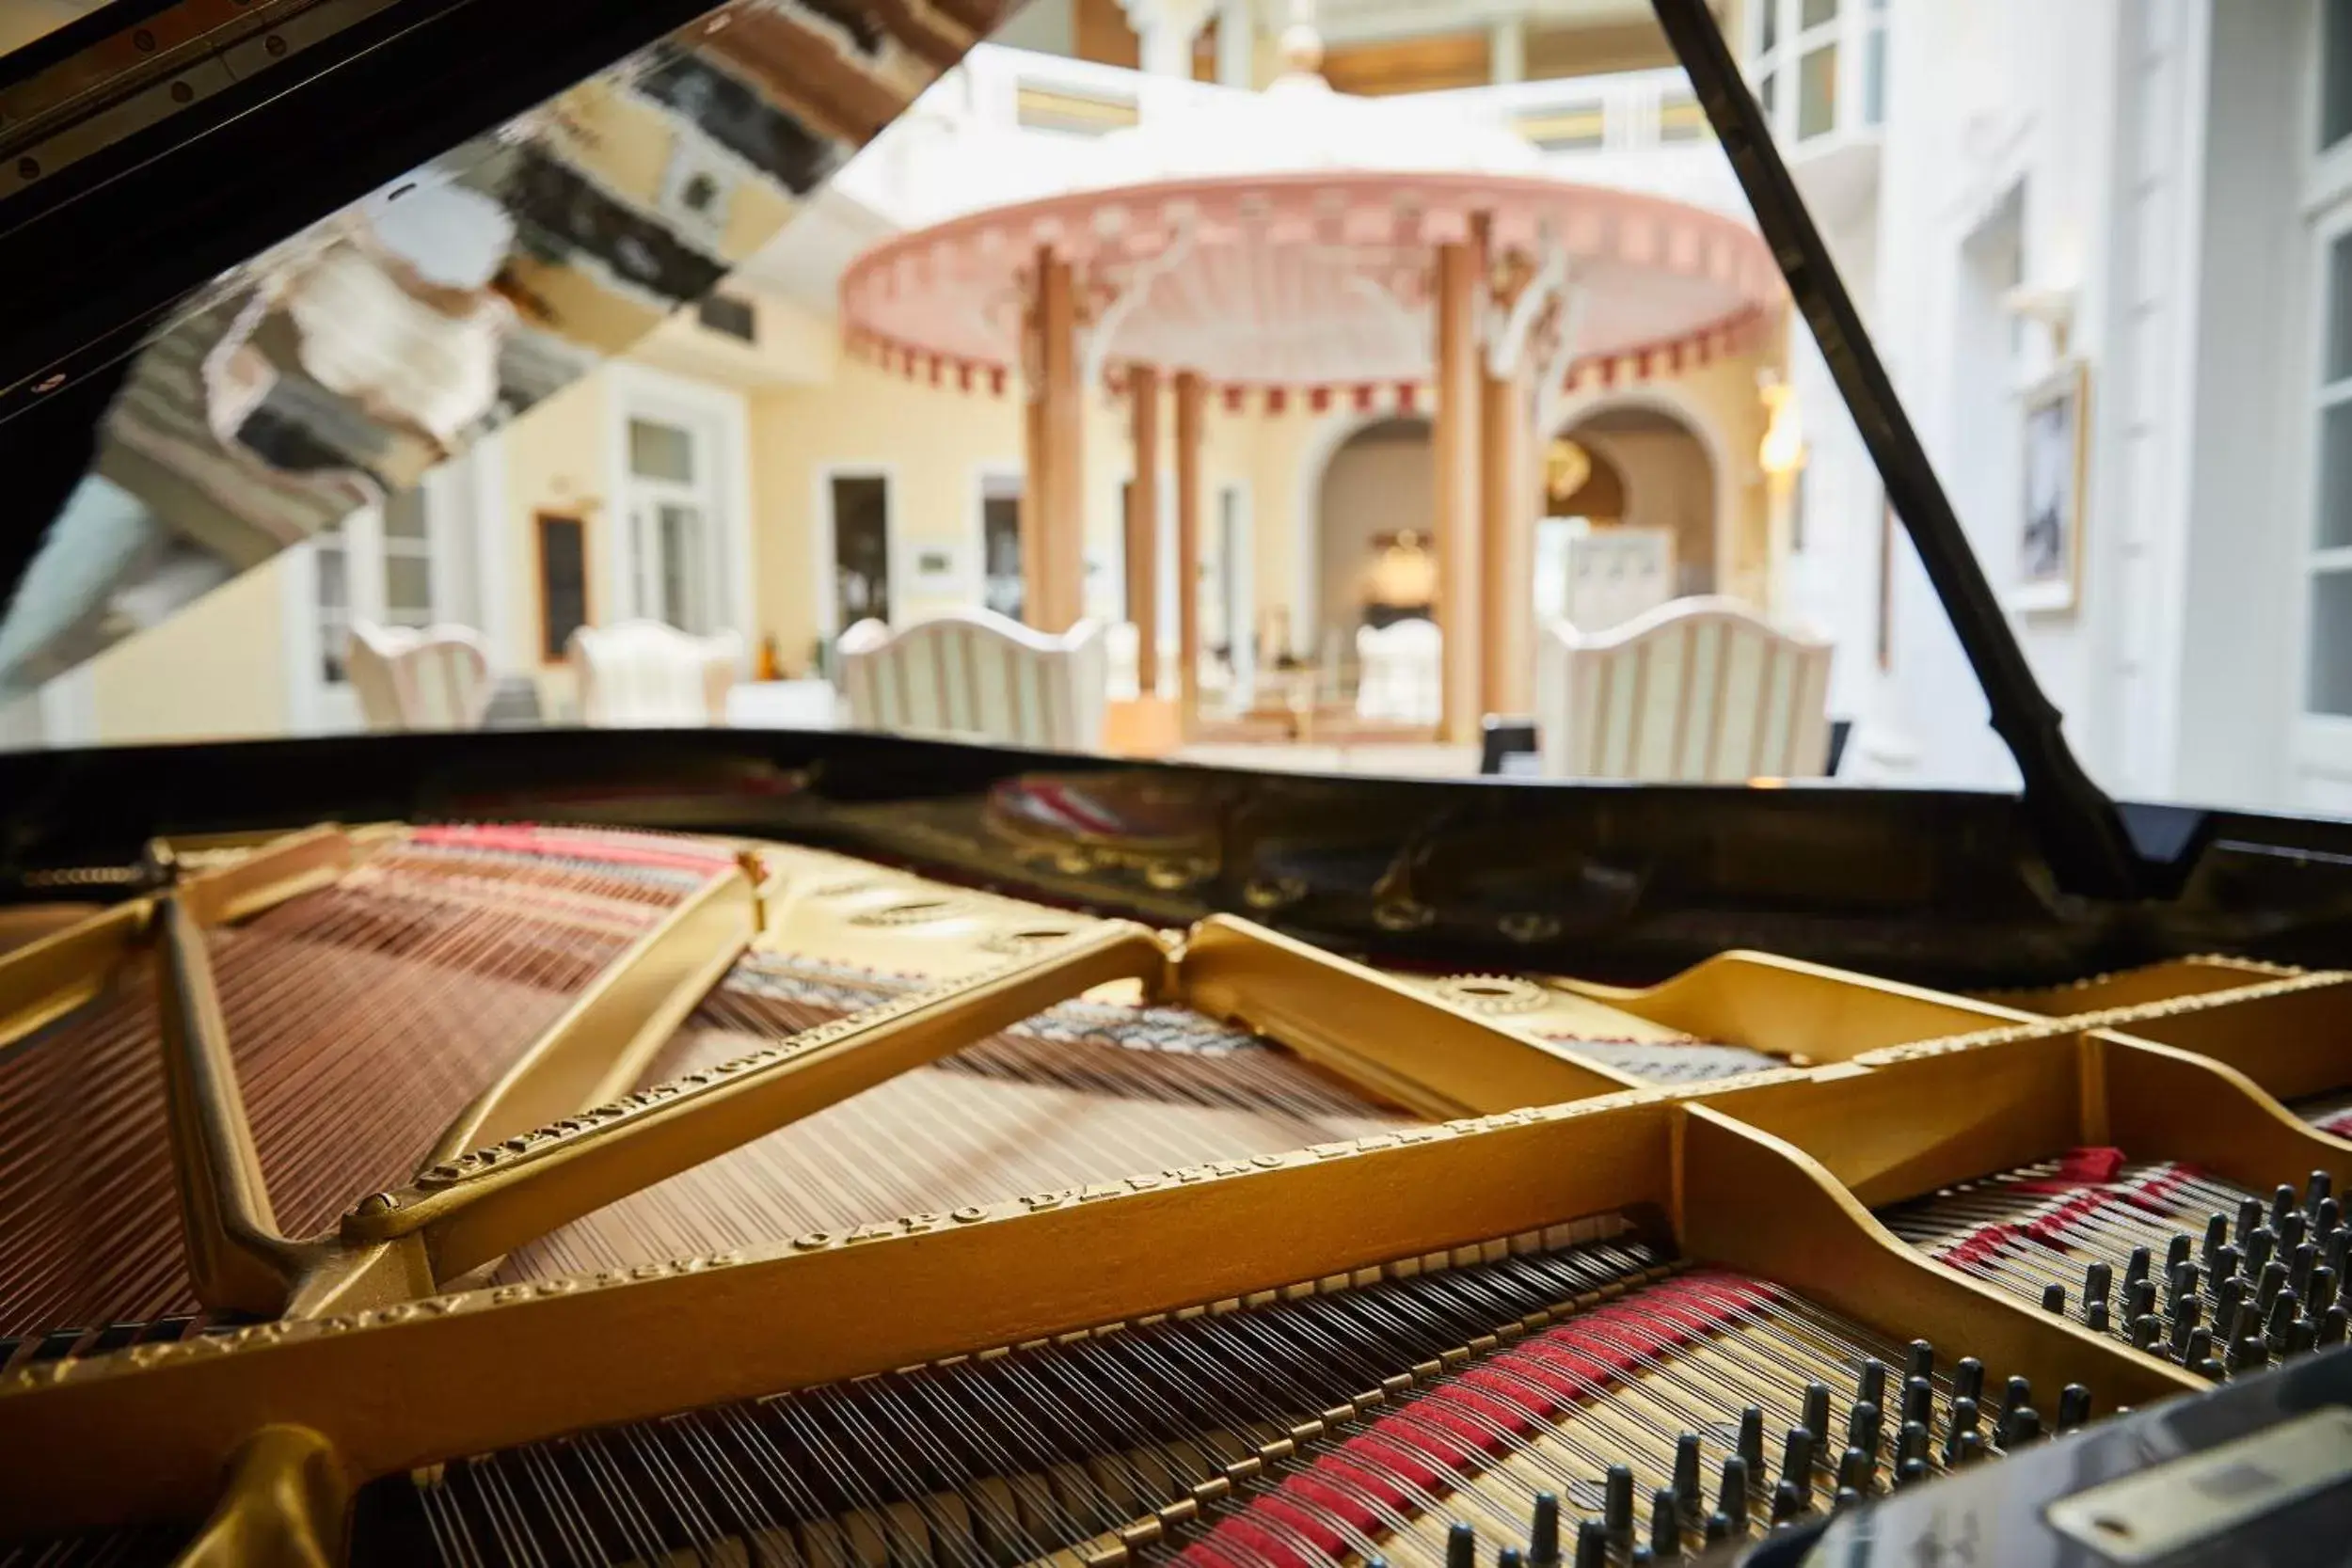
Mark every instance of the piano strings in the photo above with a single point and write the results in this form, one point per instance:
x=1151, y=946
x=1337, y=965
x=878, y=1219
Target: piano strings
x=1545, y=1399
x=2195, y=1270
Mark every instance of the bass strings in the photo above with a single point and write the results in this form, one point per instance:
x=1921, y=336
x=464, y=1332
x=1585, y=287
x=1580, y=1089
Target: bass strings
x=362, y=1016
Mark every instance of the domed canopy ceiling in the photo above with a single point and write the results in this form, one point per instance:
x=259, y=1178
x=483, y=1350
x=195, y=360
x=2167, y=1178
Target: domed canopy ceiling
x=1285, y=240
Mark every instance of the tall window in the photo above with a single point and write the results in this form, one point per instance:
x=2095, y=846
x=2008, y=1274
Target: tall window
x=673, y=474
x=1810, y=56
x=373, y=565
x=861, y=548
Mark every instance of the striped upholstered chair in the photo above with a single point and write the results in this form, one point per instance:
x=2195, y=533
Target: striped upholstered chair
x=646, y=674
x=434, y=679
x=977, y=676
x=1697, y=690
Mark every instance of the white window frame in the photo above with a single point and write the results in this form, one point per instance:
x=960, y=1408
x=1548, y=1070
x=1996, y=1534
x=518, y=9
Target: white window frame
x=719, y=414
x=1850, y=31
x=2322, y=742
x=828, y=619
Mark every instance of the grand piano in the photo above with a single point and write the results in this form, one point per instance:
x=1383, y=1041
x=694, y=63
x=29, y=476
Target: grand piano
x=730, y=1145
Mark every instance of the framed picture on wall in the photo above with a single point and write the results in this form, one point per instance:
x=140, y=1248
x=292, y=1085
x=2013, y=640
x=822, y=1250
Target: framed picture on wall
x=2057, y=420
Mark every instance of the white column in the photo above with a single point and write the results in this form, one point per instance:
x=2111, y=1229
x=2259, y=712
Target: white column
x=1165, y=30
x=1236, y=44
x=1506, y=50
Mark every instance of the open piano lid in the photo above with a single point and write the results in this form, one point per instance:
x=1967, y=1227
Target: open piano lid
x=443, y=159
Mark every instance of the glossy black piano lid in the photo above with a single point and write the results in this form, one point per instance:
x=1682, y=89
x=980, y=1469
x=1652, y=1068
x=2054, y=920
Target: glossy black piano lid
x=1609, y=880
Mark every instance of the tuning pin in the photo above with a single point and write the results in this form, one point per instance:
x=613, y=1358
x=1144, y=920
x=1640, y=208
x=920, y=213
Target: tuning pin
x=2316, y=1189
x=1686, y=1472
x=2339, y=1249
x=2098, y=1279
x=2054, y=1299
x=2211, y=1369
x=1856, y=1469
x=1718, y=1527
x=1911, y=1442
x=1592, y=1544
x=2259, y=1247
x=2015, y=1397
x=1543, y=1534
x=1968, y=1377
x=2074, y=1406
x=1786, y=1502
x=2250, y=1215
x=1752, y=1440
x=2200, y=1348
x=2146, y=1330
x=2023, y=1427
x=1864, y=1423
x=2249, y=1354
x=1963, y=1419
x=2284, y=1309
x=2322, y=1293
x=1918, y=1400
x=1640, y=1557
x=1913, y=1473
x=1731, y=1492
x=2325, y=1218
x=2184, y=1324
x=2136, y=1269
x=1665, y=1524
x=2226, y=1264
x=1817, y=1408
x=1508, y=1558
x=1970, y=1447
x=1796, y=1462
x=1870, y=1385
x=2332, y=1326
x=2176, y=1251
x=2301, y=1267
x=2283, y=1198
x=1461, y=1547
x=1617, y=1504
x=2302, y=1336
x=1919, y=1363
x=2095, y=1317
x=2292, y=1232
x=2274, y=1281
x=2139, y=1299
x=2216, y=1237
x=2180, y=1287
x=2227, y=1293
x=1847, y=1497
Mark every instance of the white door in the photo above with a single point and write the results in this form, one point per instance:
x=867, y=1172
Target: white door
x=673, y=508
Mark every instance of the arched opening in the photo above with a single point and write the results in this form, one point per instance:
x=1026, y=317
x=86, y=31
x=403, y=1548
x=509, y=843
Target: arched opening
x=1375, y=561
x=1626, y=517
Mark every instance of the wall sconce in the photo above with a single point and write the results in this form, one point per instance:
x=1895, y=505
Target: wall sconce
x=1782, y=454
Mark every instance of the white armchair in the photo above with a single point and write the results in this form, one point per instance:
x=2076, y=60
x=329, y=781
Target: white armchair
x=976, y=674
x=644, y=674
x=1400, y=679
x=434, y=679
x=1697, y=690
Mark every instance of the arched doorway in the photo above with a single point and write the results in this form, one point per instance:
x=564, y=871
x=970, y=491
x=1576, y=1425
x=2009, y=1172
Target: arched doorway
x=1372, y=557
x=1640, y=485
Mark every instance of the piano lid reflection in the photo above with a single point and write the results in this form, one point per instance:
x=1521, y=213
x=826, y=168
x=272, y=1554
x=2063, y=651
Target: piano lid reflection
x=731, y=1147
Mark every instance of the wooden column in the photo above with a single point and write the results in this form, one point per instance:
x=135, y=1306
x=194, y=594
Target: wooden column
x=1143, y=528
x=1053, y=507
x=1460, y=279
x=1506, y=473
x=1190, y=404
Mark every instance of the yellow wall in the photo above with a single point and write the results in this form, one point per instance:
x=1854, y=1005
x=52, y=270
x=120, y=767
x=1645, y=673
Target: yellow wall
x=215, y=671
x=555, y=461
